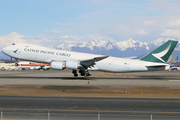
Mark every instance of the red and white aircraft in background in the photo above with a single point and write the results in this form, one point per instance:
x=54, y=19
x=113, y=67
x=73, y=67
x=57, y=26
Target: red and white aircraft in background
x=32, y=65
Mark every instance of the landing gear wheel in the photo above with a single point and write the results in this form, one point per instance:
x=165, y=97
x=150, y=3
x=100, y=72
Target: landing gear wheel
x=86, y=73
x=75, y=73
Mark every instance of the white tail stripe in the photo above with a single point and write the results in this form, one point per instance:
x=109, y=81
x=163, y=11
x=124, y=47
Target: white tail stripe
x=161, y=54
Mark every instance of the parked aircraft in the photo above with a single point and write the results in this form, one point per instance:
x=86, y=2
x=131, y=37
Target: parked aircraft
x=32, y=65
x=83, y=62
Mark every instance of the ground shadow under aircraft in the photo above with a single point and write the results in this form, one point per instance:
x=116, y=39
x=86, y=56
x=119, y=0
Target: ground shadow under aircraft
x=86, y=78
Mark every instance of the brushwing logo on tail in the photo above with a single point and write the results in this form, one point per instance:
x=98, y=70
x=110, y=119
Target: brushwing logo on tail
x=161, y=54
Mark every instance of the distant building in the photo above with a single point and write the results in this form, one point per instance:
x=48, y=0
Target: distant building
x=6, y=65
x=176, y=58
x=171, y=60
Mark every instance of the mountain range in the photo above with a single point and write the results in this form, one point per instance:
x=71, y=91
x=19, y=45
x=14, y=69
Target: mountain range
x=128, y=48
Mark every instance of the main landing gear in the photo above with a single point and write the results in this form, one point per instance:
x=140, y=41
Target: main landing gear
x=82, y=72
x=75, y=73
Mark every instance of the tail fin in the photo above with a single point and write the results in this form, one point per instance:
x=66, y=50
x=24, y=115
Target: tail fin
x=162, y=53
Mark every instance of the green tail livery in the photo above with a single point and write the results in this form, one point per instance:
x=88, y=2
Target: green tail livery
x=162, y=53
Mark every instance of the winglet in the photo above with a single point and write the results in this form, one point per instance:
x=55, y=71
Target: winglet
x=162, y=53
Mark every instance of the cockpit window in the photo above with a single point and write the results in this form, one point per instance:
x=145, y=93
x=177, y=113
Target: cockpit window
x=13, y=43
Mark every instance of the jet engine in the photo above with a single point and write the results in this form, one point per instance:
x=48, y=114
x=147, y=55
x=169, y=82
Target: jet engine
x=73, y=65
x=57, y=65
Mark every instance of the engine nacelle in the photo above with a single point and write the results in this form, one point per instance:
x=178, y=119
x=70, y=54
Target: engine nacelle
x=57, y=65
x=72, y=65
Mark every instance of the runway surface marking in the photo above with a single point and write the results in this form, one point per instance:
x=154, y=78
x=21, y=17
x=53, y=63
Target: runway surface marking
x=175, y=80
x=160, y=112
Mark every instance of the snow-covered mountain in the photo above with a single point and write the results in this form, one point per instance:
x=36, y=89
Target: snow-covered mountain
x=114, y=48
x=126, y=48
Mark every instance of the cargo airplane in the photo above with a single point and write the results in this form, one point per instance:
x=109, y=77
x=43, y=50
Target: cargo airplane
x=83, y=62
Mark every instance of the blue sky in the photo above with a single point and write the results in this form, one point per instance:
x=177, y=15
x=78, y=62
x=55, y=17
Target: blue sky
x=52, y=22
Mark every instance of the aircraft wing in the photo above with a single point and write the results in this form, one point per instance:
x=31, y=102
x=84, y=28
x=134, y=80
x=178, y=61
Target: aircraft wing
x=90, y=62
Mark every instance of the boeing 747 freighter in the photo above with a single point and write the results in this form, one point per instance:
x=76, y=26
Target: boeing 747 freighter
x=83, y=62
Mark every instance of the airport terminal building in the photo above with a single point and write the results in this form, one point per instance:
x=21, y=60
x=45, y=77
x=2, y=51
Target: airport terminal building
x=5, y=65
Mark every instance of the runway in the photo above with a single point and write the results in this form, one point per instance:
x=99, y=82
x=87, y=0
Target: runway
x=55, y=77
x=80, y=108
x=86, y=108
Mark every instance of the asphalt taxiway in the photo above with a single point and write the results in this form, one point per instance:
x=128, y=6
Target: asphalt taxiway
x=55, y=77
x=78, y=108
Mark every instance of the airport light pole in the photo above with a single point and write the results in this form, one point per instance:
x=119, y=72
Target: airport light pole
x=1, y=114
x=48, y=114
x=98, y=115
x=150, y=115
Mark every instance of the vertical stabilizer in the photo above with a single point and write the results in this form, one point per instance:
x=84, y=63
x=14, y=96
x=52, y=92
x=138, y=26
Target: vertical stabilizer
x=162, y=53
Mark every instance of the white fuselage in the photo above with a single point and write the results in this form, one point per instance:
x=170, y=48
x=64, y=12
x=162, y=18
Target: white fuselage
x=110, y=64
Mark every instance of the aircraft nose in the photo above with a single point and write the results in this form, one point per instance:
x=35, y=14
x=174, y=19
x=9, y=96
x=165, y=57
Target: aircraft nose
x=5, y=50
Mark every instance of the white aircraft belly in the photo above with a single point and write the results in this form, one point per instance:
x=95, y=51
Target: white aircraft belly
x=118, y=67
